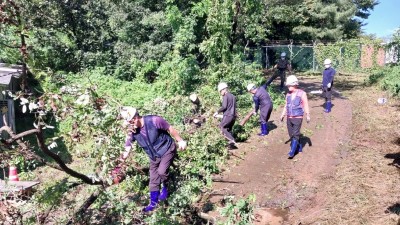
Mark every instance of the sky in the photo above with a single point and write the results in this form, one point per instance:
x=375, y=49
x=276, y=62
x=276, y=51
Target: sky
x=384, y=19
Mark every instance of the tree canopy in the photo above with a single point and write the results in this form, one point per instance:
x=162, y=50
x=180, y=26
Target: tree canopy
x=132, y=38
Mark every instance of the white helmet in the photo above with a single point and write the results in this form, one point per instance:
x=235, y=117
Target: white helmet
x=292, y=80
x=250, y=86
x=327, y=62
x=127, y=113
x=222, y=86
x=193, y=97
x=283, y=54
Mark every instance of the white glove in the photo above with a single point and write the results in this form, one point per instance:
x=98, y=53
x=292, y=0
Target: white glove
x=255, y=113
x=329, y=85
x=125, y=155
x=182, y=145
x=308, y=118
x=215, y=114
x=126, y=152
x=219, y=116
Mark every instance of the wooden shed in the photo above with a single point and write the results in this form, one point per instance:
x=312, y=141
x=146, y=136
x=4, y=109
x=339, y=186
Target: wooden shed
x=9, y=81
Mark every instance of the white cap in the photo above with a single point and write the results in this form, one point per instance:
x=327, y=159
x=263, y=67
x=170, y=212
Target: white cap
x=283, y=54
x=128, y=112
x=193, y=97
x=292, y=80
x=250, y=86
x=222, y=86
x=327, y=62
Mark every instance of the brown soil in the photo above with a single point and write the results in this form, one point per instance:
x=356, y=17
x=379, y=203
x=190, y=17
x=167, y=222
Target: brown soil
x=332, y=176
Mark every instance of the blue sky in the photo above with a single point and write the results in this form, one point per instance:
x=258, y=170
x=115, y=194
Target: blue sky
x=384, y=19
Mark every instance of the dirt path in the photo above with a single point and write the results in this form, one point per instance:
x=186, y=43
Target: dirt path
x=291, y=191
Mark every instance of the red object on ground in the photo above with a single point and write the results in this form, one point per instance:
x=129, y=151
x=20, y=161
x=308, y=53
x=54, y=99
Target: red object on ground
x=13, y=174
x=117, y=175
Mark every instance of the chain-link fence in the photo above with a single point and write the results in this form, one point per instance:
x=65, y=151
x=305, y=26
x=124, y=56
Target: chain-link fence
x=347, y=56
x=300, y=56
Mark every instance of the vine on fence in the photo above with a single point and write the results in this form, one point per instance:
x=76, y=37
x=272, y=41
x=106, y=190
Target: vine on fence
x=346, y=56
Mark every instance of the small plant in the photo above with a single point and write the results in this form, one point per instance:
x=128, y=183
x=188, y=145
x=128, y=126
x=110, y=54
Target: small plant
x=241, y=212
x=308, y=132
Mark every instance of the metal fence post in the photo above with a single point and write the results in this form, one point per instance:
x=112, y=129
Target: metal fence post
x=313, y=56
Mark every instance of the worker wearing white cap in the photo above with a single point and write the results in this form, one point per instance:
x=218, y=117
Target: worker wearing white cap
x=262, y=101
x=282, y=65
x=296, y=107
x=154, y=135
x=228, y=108
x=327, y=83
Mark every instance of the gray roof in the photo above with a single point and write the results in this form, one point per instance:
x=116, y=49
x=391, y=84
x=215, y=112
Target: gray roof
x=6, y=73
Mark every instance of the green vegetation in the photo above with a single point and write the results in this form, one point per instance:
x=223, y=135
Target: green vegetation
x=92, y=57
x=388, y=77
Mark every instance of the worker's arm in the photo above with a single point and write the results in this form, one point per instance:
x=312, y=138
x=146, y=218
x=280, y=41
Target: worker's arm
x=174, y=133
x=289, y=67
x=283, y=112
x=224, y=104
x=128, y=147
x=304, y=100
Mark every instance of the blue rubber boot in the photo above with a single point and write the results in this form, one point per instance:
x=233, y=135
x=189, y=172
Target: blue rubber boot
x=164, y=193
x=264, y=130
x=293, y=148
x=328, y=107
x=153, y=201
x=300, y=147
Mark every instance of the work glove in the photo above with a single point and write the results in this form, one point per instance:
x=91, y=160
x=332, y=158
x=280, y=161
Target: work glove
x=125, y=154
x=182, y=145
x=329, y=85
x=215, y=114
x=219, y=116
x=308, y=118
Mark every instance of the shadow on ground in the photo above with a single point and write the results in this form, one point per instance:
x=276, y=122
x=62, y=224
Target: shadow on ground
x=395, y=208
x=396, y=159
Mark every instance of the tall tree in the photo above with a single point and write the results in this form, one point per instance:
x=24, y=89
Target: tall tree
x=12, y=19
x=317, y=19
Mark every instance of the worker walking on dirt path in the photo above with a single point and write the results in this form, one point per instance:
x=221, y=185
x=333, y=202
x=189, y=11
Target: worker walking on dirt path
x=228, y=108
x=282, y=65
x=296, y=107
x=327, y=84
x=153, y=134
x=262, y=101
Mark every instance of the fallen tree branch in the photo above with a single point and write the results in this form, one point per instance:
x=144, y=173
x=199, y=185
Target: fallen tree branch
x=60, y=162
x=79, y=214
x=24, y=148
x=207, y=217
x=41, y=143
x=246, y=118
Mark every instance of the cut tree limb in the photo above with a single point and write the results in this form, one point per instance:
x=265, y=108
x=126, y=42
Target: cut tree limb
x=60, y=162
x=41, y=143
x=24, y=148
x=246, y=118
x=79, y=214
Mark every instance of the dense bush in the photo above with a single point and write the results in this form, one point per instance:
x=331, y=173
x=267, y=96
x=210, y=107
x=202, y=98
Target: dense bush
x=150, y=55
x=88, y=105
